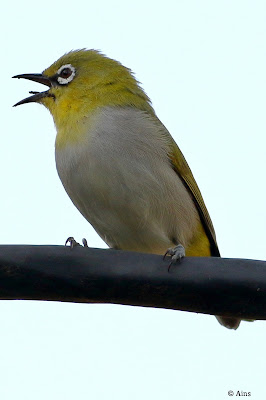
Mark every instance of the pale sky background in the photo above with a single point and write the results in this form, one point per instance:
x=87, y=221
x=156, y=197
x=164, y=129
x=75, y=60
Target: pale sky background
x=203, y=64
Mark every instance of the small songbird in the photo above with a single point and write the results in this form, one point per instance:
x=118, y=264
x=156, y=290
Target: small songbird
x=119, y=164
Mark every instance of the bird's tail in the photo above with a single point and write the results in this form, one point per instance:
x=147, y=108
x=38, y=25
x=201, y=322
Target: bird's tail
x=229, y=322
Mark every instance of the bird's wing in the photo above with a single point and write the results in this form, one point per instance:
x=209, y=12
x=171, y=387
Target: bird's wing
x=181, y=167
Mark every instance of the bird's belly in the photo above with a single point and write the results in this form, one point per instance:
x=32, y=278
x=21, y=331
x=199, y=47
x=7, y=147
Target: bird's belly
x=121, y=215
x=128, y=212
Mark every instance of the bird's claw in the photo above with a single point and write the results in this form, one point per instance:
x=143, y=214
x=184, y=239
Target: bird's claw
x=84, y=242
x=176, y=253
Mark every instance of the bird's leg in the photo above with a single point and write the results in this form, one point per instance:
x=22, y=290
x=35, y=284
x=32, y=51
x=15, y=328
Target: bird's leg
x=176, y=253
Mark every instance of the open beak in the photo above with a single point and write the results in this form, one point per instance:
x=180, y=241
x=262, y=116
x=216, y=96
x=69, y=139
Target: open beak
x=36, y=95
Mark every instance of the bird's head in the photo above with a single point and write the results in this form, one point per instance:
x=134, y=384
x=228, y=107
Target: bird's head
x=84, y=80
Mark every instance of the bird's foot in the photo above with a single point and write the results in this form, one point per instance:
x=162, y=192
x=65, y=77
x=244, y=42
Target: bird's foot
x=73, y=243
x=176, y=253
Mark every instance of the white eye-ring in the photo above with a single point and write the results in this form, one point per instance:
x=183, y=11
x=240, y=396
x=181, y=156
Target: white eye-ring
x=65, y=74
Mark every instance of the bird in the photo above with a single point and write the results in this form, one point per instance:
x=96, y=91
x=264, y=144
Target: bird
x=119, y=164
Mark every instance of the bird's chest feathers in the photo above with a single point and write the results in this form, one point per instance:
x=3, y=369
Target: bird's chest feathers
x=115, y=162
x=81, y=170
x=94, y=156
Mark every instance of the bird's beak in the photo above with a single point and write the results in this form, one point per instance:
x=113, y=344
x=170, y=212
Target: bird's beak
x=36, y=95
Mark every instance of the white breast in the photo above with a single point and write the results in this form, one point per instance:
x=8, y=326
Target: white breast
x=121, y=180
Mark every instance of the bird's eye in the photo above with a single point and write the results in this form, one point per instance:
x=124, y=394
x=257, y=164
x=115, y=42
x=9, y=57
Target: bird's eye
x=65, y=74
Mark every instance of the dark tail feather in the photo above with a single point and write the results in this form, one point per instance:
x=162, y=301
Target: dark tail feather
x=229, y=322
